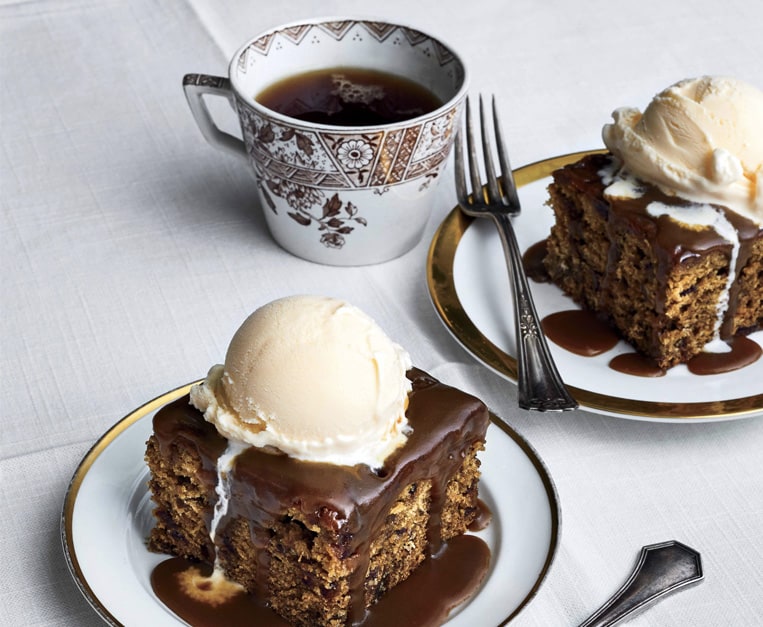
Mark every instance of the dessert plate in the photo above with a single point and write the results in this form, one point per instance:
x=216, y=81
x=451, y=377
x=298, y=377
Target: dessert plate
x=107, y=517
x=469, y=287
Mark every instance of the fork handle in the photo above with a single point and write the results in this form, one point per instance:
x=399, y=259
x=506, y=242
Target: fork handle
x=540, y=386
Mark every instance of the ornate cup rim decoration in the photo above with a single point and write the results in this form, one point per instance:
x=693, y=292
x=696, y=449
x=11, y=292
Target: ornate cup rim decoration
x=337, y=28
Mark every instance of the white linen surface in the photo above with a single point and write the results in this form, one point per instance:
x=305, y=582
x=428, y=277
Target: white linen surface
x=131, y=251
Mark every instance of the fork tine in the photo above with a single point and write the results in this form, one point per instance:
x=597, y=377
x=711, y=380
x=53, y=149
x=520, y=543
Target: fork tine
x=507, y=177
x=474, y=168
x=493, y=193
x=461, y=192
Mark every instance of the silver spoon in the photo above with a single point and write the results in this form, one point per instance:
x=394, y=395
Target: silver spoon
x=661, y=569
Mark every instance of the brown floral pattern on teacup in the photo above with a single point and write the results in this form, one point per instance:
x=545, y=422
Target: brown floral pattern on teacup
x=334, y=219
x=302, y=165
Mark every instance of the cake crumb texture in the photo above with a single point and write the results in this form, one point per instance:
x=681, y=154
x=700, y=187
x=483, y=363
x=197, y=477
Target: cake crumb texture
x=181, y=500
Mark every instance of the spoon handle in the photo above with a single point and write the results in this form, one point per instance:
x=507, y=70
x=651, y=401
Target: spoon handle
x=661, y=569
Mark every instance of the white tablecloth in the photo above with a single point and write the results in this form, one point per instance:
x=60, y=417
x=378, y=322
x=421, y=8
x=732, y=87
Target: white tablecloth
x=131, y=250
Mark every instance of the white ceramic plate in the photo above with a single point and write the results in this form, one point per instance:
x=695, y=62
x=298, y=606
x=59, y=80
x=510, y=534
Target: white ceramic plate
x=469, y=286
x=107, y=517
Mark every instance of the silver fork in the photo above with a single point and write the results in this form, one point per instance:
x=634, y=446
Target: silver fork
x=540, y=386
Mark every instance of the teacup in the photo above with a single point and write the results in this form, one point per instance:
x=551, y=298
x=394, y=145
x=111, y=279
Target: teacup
x=339, y=194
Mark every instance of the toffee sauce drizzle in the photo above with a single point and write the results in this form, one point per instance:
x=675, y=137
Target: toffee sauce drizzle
x=353, y=501
x=577, y=331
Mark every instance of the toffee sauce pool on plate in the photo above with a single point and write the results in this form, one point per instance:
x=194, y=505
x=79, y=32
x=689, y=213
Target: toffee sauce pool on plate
x=582, y=333
x=347, y=96
x=424, y=599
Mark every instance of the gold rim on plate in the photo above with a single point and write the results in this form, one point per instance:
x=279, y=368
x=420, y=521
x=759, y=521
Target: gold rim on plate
x=144, y=411
x=67, y=515
x=553, y=504
x=442, y=291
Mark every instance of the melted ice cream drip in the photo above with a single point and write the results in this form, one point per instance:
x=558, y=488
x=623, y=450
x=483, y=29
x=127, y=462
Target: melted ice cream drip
x=619, y=182
x=702, y=215
x=222, y=490
x=215, y=588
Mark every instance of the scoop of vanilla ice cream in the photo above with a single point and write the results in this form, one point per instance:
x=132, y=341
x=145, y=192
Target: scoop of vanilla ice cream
x=314, y=377
x=701, y=139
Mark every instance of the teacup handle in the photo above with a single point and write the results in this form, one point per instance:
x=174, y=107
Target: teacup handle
x=195, y=86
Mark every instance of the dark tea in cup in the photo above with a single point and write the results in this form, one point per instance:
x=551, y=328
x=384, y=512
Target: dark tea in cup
x=349, y=96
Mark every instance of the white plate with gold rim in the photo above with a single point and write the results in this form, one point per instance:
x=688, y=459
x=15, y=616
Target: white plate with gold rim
x=469, y=287
x=107, y=517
